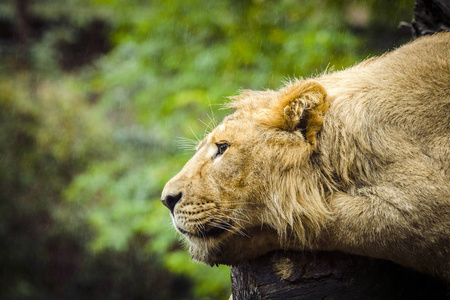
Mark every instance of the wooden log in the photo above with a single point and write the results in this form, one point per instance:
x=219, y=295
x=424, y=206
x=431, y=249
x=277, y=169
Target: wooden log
x=430, y=16
x=330, y=275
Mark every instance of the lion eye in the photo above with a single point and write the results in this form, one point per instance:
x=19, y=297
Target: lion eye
x=221, y=148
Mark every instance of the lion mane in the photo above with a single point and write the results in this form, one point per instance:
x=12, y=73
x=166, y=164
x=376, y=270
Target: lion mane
x=356, y=160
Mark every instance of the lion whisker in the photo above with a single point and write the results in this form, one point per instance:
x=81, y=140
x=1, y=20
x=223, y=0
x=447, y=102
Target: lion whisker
x=241, y=214
x=187, y=144
x=224, y=216
x=241, y=202
x=236, y=226
x=211, y=117
x=232, y=229
x=208, y=128
x=196, y=137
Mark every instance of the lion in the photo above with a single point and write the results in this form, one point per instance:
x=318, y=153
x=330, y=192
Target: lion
x=356, y=160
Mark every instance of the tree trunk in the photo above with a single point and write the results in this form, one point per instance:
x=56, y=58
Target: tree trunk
x=330, y=275
x=430, y=16
x=23, y=29
x=23, y=20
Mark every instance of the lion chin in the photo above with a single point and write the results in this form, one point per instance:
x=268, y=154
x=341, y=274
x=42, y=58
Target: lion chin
x=233, y=248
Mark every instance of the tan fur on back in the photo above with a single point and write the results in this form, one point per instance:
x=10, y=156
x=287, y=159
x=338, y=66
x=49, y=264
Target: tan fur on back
x=357, y=161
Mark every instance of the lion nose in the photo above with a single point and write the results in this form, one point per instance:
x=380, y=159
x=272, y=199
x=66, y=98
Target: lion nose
x=171, y=200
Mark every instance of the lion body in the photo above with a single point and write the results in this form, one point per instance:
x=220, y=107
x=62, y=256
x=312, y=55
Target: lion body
x=356, y=161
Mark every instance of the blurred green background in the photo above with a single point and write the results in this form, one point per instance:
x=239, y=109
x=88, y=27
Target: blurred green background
x=101, y=103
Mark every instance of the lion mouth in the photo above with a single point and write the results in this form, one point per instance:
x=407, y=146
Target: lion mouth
x=210, y=231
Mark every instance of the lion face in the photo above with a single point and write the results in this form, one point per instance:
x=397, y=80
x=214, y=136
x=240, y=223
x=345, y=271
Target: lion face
x=214, y=198
x=236, y=197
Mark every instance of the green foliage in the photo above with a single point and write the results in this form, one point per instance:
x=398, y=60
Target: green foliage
x=85, y=154
x=46, y=137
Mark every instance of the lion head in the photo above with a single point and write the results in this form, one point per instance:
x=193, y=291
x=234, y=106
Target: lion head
x=239, y=196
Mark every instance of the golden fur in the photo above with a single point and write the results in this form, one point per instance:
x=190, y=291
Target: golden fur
x=356, y=161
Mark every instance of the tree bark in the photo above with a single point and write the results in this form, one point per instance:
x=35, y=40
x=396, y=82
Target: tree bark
x=23, y=21
x=330, y=275
x=23, y=30
x=430, y=16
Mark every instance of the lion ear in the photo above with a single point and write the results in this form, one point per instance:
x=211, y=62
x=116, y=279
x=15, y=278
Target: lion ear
x=301, y=108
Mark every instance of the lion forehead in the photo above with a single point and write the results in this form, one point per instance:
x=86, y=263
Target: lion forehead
x=233, y=129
